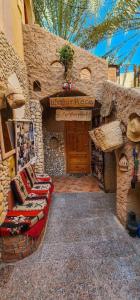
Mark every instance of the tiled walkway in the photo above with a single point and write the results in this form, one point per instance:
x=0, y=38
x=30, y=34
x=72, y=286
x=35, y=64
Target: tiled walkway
x=74, y=184
x=86, y=255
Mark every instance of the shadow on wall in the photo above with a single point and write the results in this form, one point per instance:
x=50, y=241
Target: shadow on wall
x=133, y=200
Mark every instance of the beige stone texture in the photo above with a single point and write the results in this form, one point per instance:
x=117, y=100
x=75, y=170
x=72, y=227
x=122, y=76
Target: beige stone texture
x=119, y=103
x=42, y=60
x=10, y=63
x=125, y=100
x=36, y=117
x=41, y=54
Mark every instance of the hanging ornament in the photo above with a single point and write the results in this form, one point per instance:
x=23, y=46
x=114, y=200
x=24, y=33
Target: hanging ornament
x=123, y=163
x=68, y=85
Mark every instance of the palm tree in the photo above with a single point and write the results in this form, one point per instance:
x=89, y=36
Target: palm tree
x=68, y=19
x=123, y=18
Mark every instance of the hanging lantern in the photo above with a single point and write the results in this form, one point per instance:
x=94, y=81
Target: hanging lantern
x=123, y=163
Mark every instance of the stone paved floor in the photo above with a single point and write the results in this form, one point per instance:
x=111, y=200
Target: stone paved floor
x=86, y=255
x=75, y=184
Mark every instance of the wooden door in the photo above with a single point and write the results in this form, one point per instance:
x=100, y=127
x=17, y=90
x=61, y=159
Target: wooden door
x=78, y=152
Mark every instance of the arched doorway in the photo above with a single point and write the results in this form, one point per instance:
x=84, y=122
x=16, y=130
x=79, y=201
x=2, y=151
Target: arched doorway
x=67, y=145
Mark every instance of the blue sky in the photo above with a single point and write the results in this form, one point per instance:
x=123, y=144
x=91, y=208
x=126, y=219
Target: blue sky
x=104, y=47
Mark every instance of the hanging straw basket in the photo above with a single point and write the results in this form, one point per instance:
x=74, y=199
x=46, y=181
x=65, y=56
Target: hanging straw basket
x=107, y=137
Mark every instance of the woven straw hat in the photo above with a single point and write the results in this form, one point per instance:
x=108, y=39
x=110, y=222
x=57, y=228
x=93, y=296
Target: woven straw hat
x=133, y=129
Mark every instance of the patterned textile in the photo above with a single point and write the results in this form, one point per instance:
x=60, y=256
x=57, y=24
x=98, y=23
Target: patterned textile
x=31, y=205
x=39, y=179
x=19, y=189
x=44, y=183
x=41, y=187
x=36, y=230
x=26, y=181
x=38, y=190
x=31, y=174
x=33, y=196
x=43, y=177
x=14, y=225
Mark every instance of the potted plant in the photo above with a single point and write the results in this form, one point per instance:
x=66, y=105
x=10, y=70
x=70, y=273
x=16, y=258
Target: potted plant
x=66, y=54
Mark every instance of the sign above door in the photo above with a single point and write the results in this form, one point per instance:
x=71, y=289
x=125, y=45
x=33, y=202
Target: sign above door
x=73, y=115
x=79, y=101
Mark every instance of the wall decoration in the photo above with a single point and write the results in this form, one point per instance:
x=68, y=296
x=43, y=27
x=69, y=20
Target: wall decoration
x=73, y=115
x=76, y=101
x=133, y=128
x=7, y=144
x=123, y=163
x=12, y=166
x=25, y=150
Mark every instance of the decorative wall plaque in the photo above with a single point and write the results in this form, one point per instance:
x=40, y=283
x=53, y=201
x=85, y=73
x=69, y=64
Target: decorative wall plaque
x=80, y=101
x=73, y=115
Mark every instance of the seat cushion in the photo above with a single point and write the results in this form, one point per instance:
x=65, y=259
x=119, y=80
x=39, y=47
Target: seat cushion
x=44, y=178
x=31, y=174
x=31, y=205
x=19, y=189
x=16, y=223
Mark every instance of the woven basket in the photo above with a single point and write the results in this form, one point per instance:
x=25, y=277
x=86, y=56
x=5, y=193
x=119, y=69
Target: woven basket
x=107, y=137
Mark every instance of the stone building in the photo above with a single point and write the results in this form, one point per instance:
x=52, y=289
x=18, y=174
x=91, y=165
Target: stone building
x=11, y=63
x=123, y=104
x=46, y=81
x=62, y=117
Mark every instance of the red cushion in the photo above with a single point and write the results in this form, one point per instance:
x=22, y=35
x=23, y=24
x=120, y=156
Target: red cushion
x=36, y=230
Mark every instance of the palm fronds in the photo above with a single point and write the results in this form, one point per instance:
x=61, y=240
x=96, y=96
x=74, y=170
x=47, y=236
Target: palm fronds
x=68, y=19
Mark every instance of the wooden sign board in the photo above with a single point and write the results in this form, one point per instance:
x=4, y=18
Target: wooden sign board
x=80, y=101
x=73, y=115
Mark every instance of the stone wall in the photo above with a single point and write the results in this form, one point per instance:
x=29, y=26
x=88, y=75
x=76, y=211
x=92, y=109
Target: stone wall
x=119, y=103
x=36, y=117
x=125, y=100
x=42, y=60
x=41, y=56
x=53, y=139
x=54, y=157
x=10, y=63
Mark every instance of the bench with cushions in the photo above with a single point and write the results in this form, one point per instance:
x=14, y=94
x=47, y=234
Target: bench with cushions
x=25, y=222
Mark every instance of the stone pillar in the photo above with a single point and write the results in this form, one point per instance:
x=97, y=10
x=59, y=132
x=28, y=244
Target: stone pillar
x=124, y=202
x=36, y=117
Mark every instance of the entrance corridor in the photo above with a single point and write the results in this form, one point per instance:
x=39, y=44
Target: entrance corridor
x=73, y=184
x=86, y=255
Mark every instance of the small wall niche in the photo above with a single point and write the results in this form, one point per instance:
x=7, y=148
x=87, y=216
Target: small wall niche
x=54, y=143
x=36, y=86
x=85, y=74
x=56, y=66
